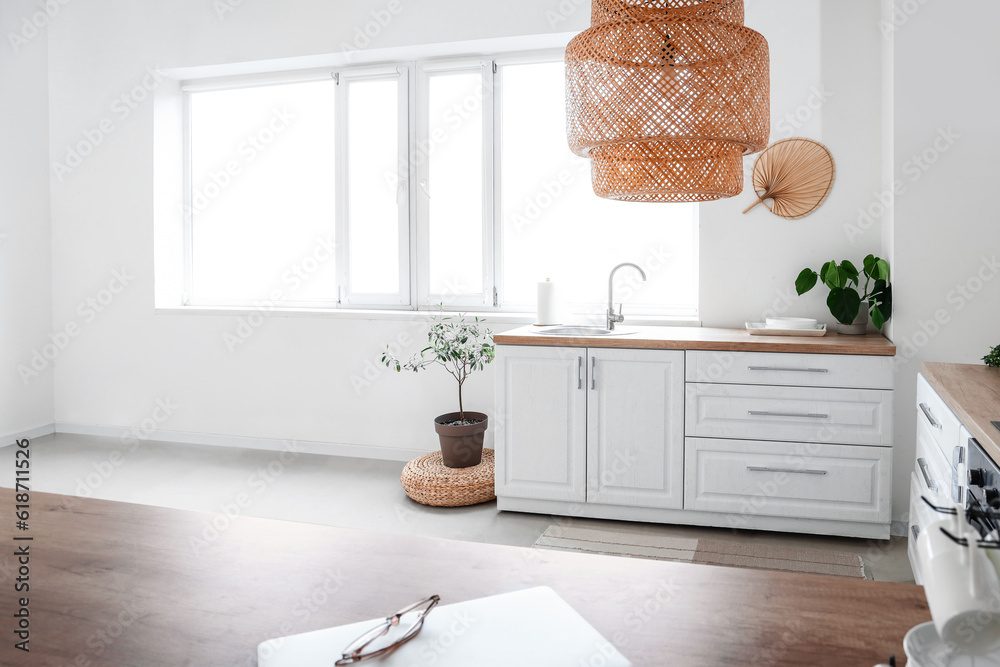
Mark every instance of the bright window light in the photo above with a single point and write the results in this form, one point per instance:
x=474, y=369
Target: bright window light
x=373, y=157
x=455, y=183
x=555, y=227
x=261, y=196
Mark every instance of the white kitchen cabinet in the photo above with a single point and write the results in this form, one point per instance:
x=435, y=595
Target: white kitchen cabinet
x=626, y=429
x=597, y=425
x=635, y=427
x=541, y=423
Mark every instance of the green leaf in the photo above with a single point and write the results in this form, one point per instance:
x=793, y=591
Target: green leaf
x=869, y=265
x=884, y=300
x=878, y=319
x=806, y=281
x=882, y=270
x=829, y=275
x=849, y=271
x=844, y=304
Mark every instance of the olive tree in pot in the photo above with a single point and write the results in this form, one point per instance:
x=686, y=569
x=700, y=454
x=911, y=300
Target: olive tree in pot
x=844, y=301
x=462, y=348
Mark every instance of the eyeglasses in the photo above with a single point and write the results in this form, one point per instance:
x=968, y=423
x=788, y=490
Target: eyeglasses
x=390, y=634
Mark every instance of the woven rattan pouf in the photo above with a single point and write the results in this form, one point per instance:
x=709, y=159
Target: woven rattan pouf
x=430, y=482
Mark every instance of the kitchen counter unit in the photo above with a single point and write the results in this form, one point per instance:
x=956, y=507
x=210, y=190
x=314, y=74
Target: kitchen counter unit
x=972, y=392
x=703, y=338
x=708, y=427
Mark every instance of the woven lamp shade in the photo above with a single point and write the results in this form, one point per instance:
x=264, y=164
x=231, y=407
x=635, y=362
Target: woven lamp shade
x=666, y=97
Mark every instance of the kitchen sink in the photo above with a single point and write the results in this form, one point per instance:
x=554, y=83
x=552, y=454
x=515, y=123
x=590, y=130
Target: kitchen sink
x=583, y=331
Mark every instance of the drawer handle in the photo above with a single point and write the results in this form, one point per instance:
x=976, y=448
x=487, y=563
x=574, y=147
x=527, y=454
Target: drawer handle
x=811, y=415
x=792, y=370
x=789, y=470
x=922, y=464
x=927, y=413
x=916, y=531
x=579, y=372
x=593, y=373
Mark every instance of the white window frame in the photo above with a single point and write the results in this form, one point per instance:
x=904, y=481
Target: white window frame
x=187, y=88
x=413, y=78
x=398, y=72
x=547, y=56
x=425, y=299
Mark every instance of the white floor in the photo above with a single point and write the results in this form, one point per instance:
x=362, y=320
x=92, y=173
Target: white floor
x=335, y=491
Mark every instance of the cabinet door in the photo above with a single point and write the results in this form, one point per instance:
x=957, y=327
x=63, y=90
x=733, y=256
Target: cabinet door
x=541, y=423
x=635, y=427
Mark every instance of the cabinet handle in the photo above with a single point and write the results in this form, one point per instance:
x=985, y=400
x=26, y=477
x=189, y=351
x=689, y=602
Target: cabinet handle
x=593, y=375
x=930, y=418
x=792, y=370
x=916, y=531
x=579, y=372
x=922, y=464
x=789, y=470
x=811, y=415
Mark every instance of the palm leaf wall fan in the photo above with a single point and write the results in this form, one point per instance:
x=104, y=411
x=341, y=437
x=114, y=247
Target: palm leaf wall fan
x=796, y=175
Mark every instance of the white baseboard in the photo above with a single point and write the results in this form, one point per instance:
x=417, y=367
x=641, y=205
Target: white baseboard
x=248, y=442
x=37, y=432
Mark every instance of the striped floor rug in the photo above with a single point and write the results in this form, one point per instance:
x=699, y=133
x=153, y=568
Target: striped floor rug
x=710, y=552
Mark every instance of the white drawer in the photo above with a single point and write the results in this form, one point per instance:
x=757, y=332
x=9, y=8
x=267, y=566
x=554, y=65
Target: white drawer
x=798, y=370
x=921, y=516
x=932, y=470
x=933, y=413
x=810, y=414
x=788, y=479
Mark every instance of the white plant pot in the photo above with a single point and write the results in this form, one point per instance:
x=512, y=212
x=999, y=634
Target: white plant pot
x=860, y=324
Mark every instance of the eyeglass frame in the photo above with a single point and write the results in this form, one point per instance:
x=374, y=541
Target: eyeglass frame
x=353, y=652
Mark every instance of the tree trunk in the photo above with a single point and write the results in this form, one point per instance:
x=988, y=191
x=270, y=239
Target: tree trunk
x=461, y=410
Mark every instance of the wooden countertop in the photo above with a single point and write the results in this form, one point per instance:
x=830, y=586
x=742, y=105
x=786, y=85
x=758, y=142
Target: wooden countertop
x=972, y=391
x=704, y=338
x=121, y=584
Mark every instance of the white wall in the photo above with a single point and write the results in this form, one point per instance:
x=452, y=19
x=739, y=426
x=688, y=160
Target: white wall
x=749, y=262
x=292, y=379
x=946, y=221
x=25, y=236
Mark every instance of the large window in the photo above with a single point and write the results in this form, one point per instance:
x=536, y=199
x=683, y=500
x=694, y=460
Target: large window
x=410, y=185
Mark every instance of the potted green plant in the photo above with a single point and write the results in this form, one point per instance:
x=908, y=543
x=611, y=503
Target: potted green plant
x=462, y=348
x=844, y=301
x=993, y=358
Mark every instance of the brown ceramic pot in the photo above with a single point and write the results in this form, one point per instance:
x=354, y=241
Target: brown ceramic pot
x=461, y=446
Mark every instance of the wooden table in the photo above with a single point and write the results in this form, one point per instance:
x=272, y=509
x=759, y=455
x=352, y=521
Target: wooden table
x=122, y=584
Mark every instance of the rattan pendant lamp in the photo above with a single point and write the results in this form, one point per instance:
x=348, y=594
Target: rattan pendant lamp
x=666, y=97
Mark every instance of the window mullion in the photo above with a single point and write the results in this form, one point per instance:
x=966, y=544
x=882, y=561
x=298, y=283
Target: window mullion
x=413, y=235
x=341, y=226
x=489, y=275
x=188, y=208
x=420, y=161
x=403, y=184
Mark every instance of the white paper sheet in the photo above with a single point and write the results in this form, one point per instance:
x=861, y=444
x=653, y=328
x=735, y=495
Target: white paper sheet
x=532, y=627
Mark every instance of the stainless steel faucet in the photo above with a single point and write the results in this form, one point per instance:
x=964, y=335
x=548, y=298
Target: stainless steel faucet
x=612, y=316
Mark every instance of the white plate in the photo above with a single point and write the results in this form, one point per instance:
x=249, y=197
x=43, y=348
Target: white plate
x=924, y=648
x=760, y=329
x=790, y=323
